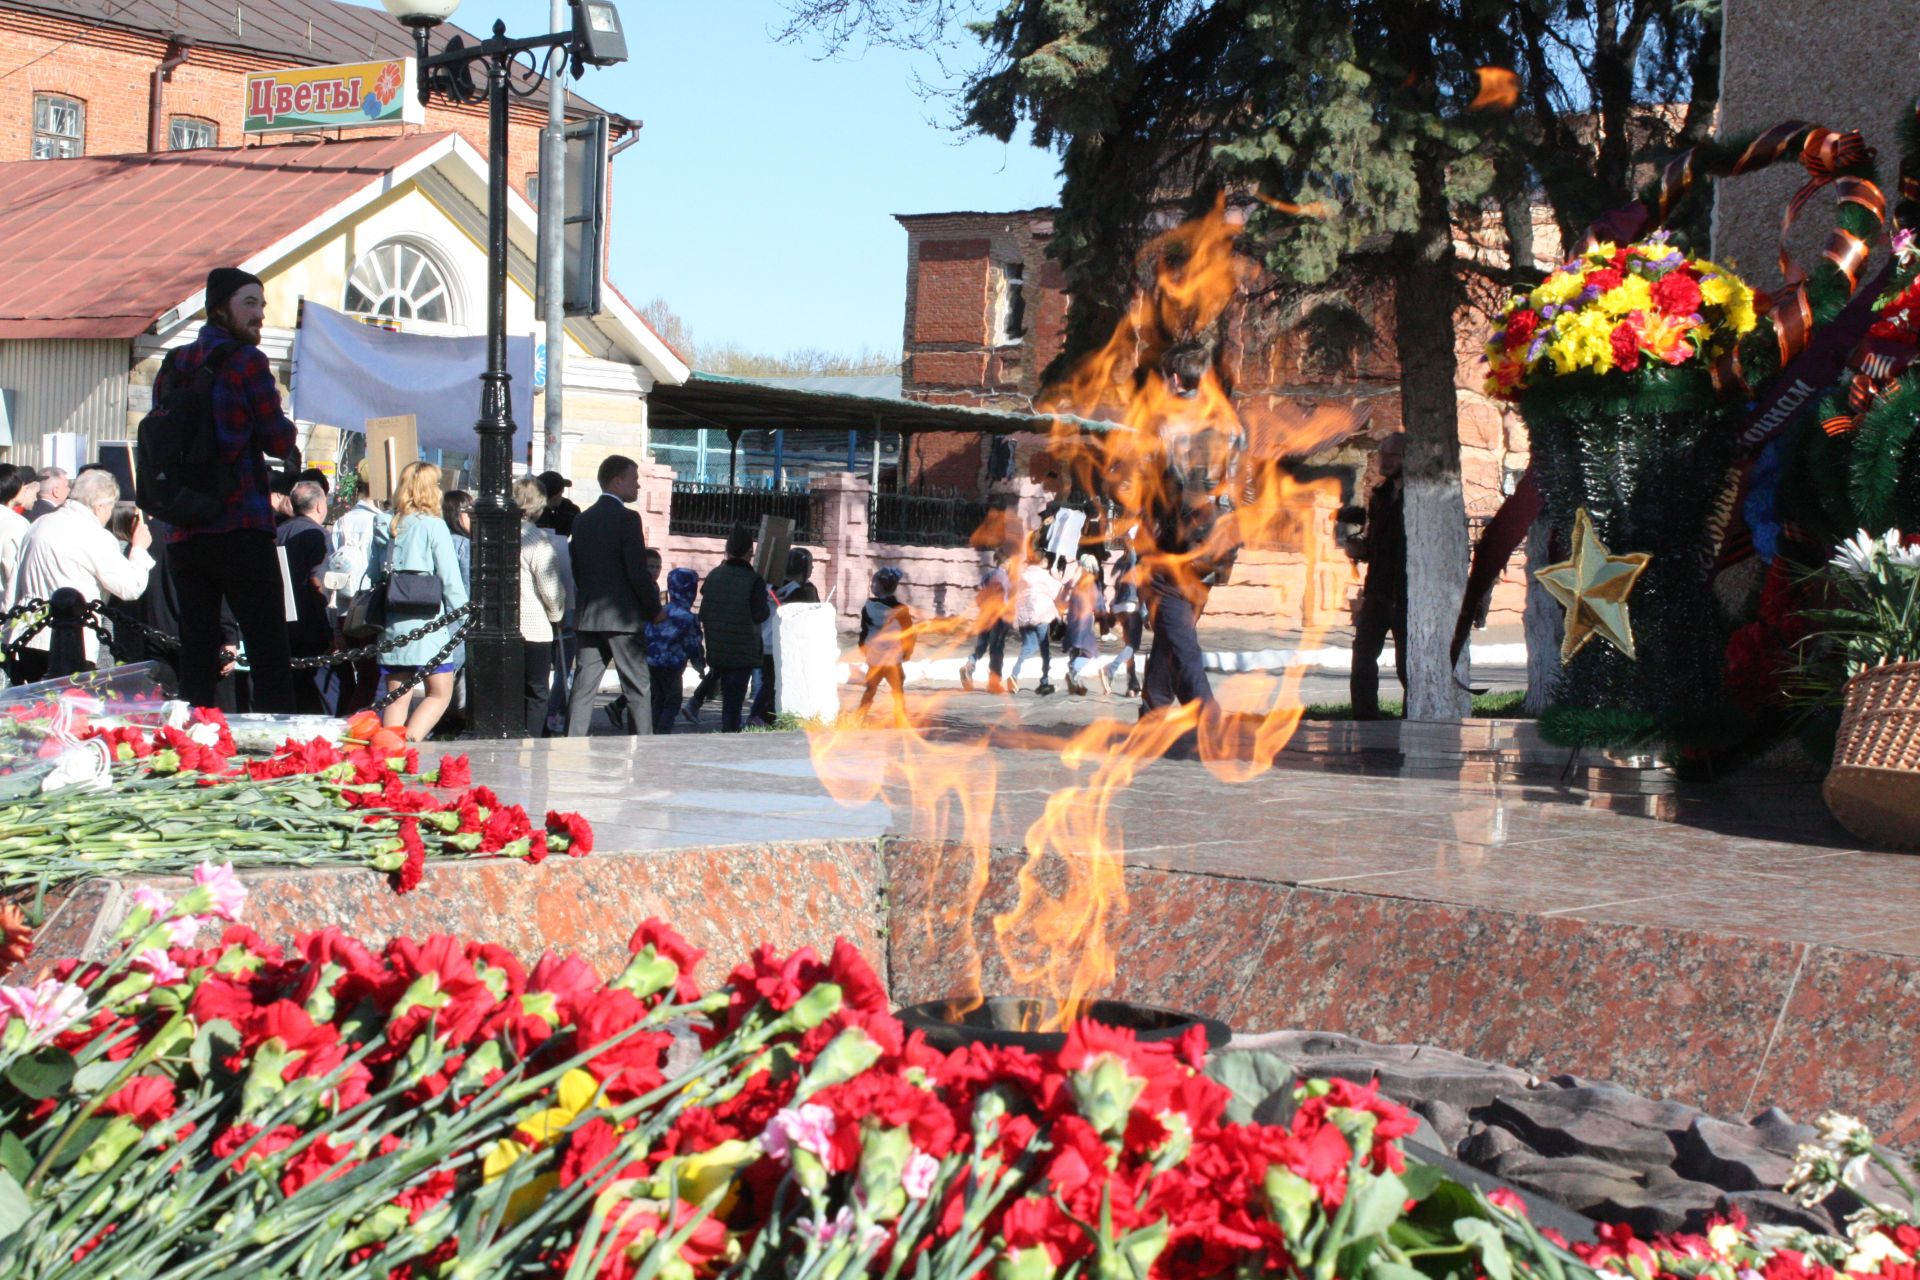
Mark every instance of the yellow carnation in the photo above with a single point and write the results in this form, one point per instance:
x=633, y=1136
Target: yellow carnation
x=1557, y=288
x=1634, y=294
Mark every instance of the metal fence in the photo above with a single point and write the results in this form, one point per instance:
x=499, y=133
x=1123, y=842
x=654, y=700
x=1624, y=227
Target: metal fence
x=716, y=510
x=922, y=519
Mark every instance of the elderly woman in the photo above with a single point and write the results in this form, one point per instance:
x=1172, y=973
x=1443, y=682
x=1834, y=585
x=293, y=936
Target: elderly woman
x=545, y=596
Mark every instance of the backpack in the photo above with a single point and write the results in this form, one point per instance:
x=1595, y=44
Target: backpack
x=177, y=473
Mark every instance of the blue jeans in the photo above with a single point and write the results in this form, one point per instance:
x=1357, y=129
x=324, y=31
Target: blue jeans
x=992, y=645
x=1032, y=640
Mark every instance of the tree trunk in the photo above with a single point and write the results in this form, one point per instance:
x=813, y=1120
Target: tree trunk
x=1543, y=621
x=1425, y=297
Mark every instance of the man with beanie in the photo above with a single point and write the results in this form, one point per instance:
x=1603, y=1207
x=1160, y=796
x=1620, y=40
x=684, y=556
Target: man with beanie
x=231, y=558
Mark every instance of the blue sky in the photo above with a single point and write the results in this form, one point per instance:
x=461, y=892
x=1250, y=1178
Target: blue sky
x=759, y=200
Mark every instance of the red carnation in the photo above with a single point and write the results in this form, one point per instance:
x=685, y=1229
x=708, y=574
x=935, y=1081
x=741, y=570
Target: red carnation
x=502, y=827
x=146, y=1099
x=407, y=878
x=1521, y=326
x=455, y=771
x=1676, y=294
x=579, y=835
x=587, y=1147
x=1605, y=279
x=1626, y=347
x=669, y=945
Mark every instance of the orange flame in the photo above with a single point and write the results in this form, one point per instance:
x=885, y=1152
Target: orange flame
x=1499, y=90
x=1159, y=377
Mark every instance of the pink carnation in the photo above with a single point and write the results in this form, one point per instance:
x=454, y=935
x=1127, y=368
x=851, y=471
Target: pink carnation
x=228, y=894
x=917, y=1178
x=48, y=1008
x=808, y=1126
x=159, y=964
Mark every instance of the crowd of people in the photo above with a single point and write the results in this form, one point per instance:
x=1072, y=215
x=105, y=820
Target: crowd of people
x=370, y=594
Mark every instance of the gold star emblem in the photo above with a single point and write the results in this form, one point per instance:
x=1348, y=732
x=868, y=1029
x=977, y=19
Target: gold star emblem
x=1593, y=588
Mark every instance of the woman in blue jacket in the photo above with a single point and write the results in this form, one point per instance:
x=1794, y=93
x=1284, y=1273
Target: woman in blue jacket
x=422, y=543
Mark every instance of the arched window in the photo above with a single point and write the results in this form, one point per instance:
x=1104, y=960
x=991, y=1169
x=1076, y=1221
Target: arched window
x=400, y=280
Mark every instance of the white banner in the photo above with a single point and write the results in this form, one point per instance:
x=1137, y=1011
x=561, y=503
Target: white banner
x=345, y=372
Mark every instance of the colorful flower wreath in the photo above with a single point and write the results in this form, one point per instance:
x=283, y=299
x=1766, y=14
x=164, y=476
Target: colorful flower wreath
x=1615, y=307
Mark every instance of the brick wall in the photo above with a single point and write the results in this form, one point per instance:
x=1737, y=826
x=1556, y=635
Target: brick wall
x=110, y=72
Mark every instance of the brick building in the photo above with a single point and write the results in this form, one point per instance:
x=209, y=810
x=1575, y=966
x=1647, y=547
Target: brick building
x=986, y=314
x=109, y=77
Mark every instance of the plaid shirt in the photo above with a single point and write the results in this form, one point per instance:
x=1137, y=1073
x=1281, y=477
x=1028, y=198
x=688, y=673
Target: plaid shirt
x=247, y=415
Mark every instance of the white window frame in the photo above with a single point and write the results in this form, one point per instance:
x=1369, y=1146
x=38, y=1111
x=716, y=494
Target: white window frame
x=393, y=271
x=50, y=144
x=194, y=123
x=1009, y=299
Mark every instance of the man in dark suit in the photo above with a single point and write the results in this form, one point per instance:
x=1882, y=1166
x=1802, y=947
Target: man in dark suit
x=616, y=596
x=53, y=493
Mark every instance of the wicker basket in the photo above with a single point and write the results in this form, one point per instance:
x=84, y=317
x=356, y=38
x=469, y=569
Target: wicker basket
x=1874, y=786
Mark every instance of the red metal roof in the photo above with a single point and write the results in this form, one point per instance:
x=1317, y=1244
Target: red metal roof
x=101, y=246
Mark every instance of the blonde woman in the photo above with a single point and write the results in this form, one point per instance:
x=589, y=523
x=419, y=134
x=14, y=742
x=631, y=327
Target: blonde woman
x=422, y=543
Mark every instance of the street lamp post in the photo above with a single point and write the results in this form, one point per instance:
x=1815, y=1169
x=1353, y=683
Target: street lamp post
x=496, y=674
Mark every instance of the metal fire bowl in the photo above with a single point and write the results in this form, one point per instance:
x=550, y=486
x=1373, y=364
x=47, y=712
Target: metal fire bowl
x=949, y=1024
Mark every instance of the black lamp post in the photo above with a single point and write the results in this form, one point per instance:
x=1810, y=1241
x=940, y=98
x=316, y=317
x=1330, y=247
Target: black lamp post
x=496, y=675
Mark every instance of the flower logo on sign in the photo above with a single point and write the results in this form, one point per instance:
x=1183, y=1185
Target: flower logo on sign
x=388, y=84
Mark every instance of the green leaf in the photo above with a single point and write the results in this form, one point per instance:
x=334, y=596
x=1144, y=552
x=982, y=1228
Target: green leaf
x=218, y=1032
x=1489, y=1243
x=83, y=1138
x=1385, y=1270
x=15, y=1208
x=95, y=1076
x=14, y=1156
x=41, y=1074
x=1261, y=1083
x=1421, y=1179
x=1377, y=1201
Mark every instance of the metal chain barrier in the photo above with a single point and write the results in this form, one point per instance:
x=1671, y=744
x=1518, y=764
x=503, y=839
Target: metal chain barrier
x=98, y=609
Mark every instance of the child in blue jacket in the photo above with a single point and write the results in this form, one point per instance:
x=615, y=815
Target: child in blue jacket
x=673, y=644
x=886, y=640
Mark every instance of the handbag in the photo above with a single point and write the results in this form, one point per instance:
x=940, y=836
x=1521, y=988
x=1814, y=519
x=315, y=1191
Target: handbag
x=412, y=593
x=366, y=613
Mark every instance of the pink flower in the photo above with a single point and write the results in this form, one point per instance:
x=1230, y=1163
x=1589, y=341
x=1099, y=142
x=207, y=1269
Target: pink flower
x=228, y=895
x=181, y=930
x=840, y=1227
x=808, y=1126
x=158, y=963
x=917, y=1178
x=47, y=1009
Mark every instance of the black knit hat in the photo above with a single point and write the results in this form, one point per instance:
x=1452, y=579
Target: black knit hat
x=224, y=282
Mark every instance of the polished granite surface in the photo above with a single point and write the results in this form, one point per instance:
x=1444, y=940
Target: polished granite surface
x=1480, y=814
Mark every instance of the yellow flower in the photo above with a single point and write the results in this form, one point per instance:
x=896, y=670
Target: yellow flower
x=528, y=1196
x=708, y=1176
x=1558, y=287
x=505, y=1152
x=1723, y=289
x=1583, y=341
x=578, y=1091
x=1634, y=294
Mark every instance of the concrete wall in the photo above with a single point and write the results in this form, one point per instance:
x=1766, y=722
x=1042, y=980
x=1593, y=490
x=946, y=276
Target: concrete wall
x=1851, y=65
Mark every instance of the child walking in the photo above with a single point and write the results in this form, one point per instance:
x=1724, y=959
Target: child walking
x=672, y=644
x=886, y=640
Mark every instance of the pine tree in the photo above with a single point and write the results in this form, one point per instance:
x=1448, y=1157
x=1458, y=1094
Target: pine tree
x=1356, y=119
